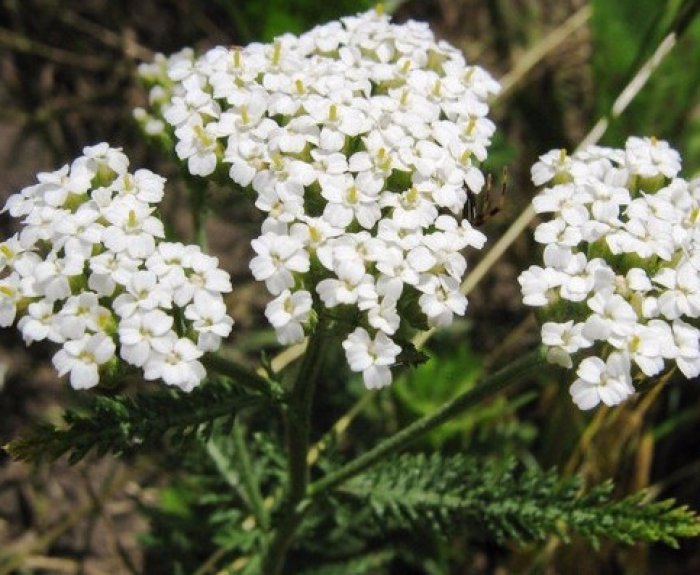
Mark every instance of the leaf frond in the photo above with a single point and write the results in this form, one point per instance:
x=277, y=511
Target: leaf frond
x=454, y=492
x=128, y=423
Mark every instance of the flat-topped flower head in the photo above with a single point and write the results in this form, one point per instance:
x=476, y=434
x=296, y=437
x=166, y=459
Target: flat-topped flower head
x=358, y=140
x=89, y=270
x=620, y=267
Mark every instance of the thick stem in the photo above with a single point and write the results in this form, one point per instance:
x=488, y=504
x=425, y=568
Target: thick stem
x=298, y=423
x=506, y=377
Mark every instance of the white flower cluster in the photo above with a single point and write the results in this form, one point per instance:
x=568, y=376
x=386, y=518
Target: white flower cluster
x=621, y=272
x=359, y=140
x=89, y=271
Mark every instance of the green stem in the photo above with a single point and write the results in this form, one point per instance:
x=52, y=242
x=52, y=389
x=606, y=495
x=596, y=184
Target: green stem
x=506, y=377
x=200, y=234
x=250, y=481
x=298, y=423
x=299, y=414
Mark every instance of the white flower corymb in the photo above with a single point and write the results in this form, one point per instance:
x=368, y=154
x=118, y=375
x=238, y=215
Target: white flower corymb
x=359, y=141
x=633, y=308
x=88, y=270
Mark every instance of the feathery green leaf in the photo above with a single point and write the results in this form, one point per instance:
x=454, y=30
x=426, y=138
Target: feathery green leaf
x=124, y=424
x=450, y=493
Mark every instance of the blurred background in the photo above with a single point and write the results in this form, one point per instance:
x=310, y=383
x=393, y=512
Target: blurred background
x=67, y=79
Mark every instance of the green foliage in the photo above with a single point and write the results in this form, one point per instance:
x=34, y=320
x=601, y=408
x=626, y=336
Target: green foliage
x=486, y=497
x=423, y=390
x=441, y=379
x=123, y=424
x=398, y=515
x=625, y=34
x=262, y=21
x=428, y=511
x=410, y=512
x=178, y=539
x=205, y=510
x=357, y=566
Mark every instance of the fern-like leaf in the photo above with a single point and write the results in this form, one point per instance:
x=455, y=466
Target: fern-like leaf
x=459, y=492
x=124, y=424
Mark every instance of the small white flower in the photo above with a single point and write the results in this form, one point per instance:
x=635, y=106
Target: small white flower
x=278, y=258
x=682, y=294
x=83, y=357
x=687, y=344
x=412, y=209
x=554, y=164
x=280, y=203
x=146, y=186
x=110, y=269
x=371, y=356
x=381, y=305
x=609, y=381
x=288, y=313
x=315, y=233
x=168, y=262
x=563, y=340
x=393, y=263
x=565, y=201
x=351, y=198
x=209, y=319
x=202, y=274
x=52, y=275
x=39, y=323
x=79, y=232
x=10, y=294
x=103, y=155
x=144, y=293
x=558, y=232
x=442, y=302
x=614, y=319
x=10, y=250
x=537, y=284
x=143, y=334
x=176, y=364
x=80, y=313
x=649, y=345
x=649, y=157
x=351, y=283
x=133, y=227
x=198, y=145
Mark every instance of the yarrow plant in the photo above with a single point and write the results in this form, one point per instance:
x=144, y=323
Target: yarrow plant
x=360, y=141
x=90, y=270
x=620, y=287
